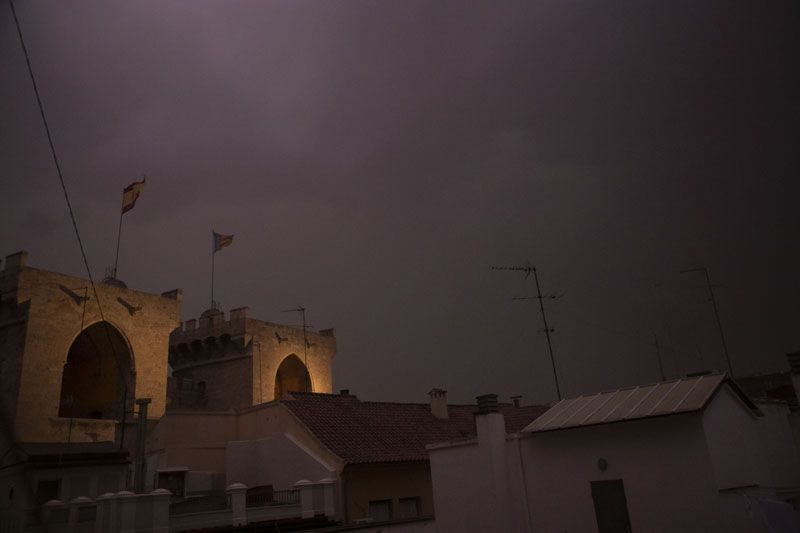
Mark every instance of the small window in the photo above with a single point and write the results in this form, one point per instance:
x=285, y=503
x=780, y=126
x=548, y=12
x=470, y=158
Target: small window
x=46, y=490
x=380, y=510
x=201, y=389
x=408, y=508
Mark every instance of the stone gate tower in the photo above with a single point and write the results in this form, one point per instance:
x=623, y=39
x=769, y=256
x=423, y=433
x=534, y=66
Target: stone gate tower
x=239, y=362
x=68, y=374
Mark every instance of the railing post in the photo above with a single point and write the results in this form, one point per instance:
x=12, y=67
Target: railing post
x=328, y=495
x=106, y=513
x=306, y=489
x=75, y=506
x=54, y=516
x=237, y=501
x=126, y=511
x=161, y=510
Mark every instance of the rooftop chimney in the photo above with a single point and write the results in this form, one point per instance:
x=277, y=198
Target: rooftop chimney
x=487, y=403
x=517, y=400
x=17, y=261
x=438, y=403
x=344, y=392
x=491, y=461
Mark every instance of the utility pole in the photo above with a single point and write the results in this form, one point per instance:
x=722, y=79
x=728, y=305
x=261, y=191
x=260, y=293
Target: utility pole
x=547, y=330
x=704, y=270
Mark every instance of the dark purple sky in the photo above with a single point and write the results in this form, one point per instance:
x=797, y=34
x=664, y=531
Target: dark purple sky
x=374, y=158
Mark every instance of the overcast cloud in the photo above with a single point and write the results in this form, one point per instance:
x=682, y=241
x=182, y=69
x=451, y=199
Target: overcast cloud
x=374, y=159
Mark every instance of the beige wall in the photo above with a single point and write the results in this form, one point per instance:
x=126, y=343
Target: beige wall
x=54, y=319
x=227, y=382
x=370, y=482
x=196, y=440
x=275, y=419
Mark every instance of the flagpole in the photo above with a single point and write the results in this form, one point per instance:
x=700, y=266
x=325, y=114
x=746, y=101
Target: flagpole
x=212, y=278
x=119, y=234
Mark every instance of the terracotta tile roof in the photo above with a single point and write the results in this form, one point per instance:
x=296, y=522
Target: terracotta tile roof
x=376, y=432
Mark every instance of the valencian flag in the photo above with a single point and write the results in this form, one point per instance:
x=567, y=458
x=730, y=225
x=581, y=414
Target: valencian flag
x=130, y=194
x=220, y=241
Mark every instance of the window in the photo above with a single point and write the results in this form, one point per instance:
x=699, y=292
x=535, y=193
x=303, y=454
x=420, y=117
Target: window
x=380, y=510
x=46, y=490
x=408, y=508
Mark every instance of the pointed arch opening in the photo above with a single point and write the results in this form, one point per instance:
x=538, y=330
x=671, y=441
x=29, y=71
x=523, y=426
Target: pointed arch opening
x=97, y=381
x=292, y=376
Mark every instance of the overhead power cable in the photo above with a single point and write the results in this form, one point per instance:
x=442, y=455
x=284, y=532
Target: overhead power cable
x=72, y=215
x=50, y=141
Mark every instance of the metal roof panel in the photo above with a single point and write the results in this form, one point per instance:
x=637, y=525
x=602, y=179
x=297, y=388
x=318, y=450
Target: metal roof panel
x=676, y=396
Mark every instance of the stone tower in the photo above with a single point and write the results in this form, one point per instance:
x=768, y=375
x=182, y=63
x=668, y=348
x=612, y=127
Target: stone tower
x=68, y=374
x=219, y=364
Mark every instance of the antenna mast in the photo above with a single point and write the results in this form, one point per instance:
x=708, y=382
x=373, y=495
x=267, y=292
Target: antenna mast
x=704, y=270
x=527, y=268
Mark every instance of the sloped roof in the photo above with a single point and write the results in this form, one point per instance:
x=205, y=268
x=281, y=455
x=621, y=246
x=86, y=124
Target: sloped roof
x=666, y=398
x=376, y=432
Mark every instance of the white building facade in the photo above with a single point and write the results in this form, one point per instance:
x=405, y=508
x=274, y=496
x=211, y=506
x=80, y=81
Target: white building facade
x=687, y=455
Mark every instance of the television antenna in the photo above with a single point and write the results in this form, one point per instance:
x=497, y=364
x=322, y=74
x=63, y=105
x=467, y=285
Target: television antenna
x=527, y=268
x=713, y=301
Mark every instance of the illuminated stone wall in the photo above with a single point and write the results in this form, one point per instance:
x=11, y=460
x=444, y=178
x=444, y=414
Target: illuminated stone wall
x=237, y=360
x=41, y=314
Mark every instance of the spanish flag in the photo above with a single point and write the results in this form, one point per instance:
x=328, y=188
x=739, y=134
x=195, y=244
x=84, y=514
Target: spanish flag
x=220, y=241
x=130, y=194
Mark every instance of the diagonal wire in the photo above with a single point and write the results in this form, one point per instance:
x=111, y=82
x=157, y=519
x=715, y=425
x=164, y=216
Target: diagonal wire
x=69, y=207
x=50, y=142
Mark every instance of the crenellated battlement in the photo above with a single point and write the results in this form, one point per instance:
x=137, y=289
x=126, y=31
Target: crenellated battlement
x=237, y=358
x=212, y=321
x=214, y=318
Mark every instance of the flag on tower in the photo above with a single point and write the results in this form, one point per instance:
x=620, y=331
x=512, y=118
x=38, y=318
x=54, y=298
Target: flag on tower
x=220, y=241
x=130, y=194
